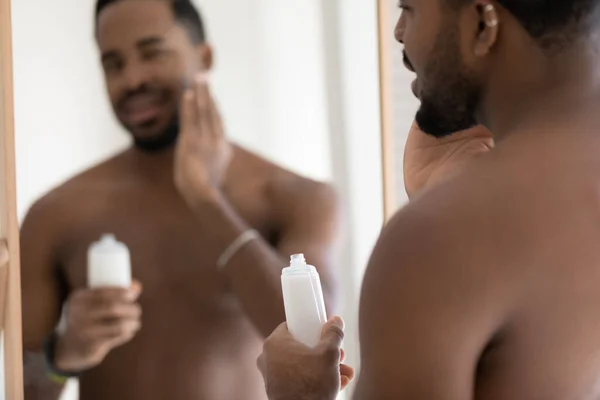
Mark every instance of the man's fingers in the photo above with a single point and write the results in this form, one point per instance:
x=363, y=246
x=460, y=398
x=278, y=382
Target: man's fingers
x=115, y=312
x=347, y=371
x=210, y=118
x=100, y=297
x=4, y=255
x=344, y=382
x=203, y=104
x=122, y=329
x=332, y=337
x=135, y=290
x=188, y=111
x=217, y=122
x=108, y=295
x=333, y=332
x=346, y=375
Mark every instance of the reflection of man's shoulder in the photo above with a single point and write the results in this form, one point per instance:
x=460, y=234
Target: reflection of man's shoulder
x=277, y=182
x=81, y=188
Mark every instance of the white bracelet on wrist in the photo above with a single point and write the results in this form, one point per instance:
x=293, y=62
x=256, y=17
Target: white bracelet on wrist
x=236, y=246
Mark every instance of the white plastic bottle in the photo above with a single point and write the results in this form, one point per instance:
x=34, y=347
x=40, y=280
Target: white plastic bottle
x=109, y=263
x=303, y=300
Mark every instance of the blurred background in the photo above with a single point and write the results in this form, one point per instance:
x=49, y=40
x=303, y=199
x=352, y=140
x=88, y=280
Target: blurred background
x=296, y=81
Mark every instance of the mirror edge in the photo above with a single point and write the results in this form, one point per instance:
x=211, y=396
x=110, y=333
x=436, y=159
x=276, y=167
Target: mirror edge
x=386, y=106
x=9, y=229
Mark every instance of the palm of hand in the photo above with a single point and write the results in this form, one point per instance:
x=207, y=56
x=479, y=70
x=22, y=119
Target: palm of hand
x=428, y=160
x=203, y=154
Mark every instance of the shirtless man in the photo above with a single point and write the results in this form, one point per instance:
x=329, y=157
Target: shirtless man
x=487, y=285
x=179, y=198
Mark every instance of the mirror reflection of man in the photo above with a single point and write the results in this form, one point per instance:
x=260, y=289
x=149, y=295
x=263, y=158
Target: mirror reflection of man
x=486, y=285
x=209, y=226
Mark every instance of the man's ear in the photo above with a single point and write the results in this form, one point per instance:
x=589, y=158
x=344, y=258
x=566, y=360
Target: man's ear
x=489, y=24
x=206, y=56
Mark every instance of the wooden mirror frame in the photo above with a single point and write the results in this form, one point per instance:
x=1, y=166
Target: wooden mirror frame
x=388, y=145
x=10, y=279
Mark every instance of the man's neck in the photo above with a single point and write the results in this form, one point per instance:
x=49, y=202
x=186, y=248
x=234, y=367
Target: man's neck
x=156, y=165
x=543, y=90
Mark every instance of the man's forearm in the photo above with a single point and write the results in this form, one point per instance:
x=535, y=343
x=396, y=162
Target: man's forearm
x=254, y=271
x=38, y=386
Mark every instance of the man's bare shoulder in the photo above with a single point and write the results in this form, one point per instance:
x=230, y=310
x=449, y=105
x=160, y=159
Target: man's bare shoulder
x=437, y=291
x=463, y=232
x=80, y=189
x=282, y=187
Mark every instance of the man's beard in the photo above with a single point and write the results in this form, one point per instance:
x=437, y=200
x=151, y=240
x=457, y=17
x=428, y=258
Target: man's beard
x=166, y=139
x=451, y=103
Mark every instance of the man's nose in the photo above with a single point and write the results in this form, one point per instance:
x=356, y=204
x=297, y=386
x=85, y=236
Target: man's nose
x=135, y=77
x=399, y=30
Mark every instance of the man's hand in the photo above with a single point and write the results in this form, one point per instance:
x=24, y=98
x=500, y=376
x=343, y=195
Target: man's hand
x=203, y=153
x=98, y=320
x=428, y=160
x=293, y=371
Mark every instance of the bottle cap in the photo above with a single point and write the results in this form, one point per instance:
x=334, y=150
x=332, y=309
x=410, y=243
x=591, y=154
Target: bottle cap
x=298, y=265
x=108, y=243
x=297, y=260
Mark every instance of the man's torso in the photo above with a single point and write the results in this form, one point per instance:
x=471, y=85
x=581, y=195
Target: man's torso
x=195, y=341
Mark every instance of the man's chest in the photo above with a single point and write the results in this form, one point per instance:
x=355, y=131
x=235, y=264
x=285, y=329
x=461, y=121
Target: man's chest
x=172, y=252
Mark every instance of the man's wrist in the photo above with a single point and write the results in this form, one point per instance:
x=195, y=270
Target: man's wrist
x=58, y=359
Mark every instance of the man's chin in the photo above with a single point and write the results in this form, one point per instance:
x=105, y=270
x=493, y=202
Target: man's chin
x=154, y=137
x=436, y=125
x=155, y=141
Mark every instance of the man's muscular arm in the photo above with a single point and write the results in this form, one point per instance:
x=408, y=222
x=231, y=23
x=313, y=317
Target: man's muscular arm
x=308, y=211
x=427, y=313
x=311, y=226
x=42, y=299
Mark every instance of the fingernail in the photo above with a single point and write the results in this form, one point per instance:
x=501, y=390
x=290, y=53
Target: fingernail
x=134, y=291
x=339, y=322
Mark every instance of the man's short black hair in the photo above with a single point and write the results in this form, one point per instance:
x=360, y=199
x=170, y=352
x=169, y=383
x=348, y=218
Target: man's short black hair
x=184, y=11
x=553, y=23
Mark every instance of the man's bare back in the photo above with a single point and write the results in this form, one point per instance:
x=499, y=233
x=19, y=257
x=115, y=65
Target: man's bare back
x=196, y=341
x=507, y=283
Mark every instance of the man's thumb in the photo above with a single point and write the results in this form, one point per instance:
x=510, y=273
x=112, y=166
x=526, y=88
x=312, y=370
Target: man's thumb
x=332, y=334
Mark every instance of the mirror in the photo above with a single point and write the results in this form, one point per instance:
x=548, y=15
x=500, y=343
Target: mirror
x=297, y=89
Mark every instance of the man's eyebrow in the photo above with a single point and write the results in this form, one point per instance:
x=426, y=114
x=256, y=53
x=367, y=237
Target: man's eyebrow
x=150, y=41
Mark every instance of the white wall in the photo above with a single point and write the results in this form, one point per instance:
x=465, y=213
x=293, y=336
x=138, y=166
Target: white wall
x=296, y=80
x=63, y=121
x=268, y=80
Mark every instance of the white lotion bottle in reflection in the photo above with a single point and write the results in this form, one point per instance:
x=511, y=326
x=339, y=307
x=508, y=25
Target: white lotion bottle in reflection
x=303, y=300
x=109, y=263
